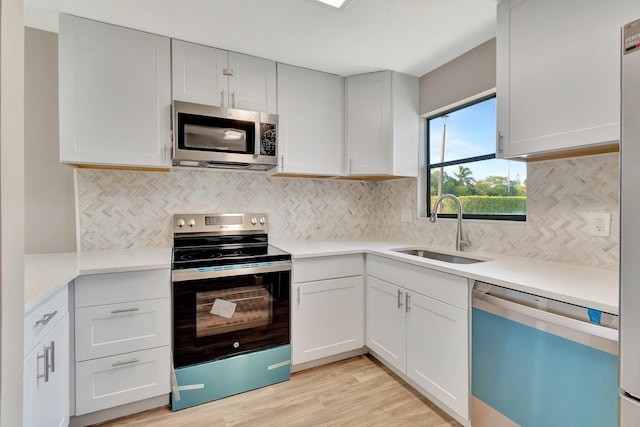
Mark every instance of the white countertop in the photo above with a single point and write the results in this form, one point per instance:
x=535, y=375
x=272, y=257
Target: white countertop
x=587, y=287
x=46, y=273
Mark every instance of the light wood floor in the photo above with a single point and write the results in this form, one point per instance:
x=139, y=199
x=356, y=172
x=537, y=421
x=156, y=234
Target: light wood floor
x=355, y=392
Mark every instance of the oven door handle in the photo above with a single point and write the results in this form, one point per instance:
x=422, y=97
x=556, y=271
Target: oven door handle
x=228, y=271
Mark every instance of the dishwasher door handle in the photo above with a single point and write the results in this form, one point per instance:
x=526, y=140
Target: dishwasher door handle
x=488, y=303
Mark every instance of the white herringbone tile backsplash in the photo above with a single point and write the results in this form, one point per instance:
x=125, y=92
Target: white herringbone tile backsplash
x=122, y=209
x=560, y=196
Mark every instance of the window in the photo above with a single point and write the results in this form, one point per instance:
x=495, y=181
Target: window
x=461, y=160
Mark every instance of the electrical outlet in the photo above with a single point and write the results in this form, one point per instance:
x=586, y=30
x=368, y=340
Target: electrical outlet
x=406, y=215
x=600, y=224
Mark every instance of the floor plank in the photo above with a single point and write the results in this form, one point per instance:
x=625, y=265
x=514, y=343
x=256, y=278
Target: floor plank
x=355, y=392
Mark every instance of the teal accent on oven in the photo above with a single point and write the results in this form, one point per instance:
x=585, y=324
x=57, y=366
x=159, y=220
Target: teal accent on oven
x=210, y=381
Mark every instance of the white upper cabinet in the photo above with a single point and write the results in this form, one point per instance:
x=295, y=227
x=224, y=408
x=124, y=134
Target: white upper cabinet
x=115, y=95
x=197, y=73
x=558, y=75
x=253, y=84
x=311, y=117
x=206, y=75
x=382, y=124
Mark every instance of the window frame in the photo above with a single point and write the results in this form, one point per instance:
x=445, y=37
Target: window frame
x=429, y=166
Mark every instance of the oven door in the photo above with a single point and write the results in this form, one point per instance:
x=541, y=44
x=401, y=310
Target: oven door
x=218, y=316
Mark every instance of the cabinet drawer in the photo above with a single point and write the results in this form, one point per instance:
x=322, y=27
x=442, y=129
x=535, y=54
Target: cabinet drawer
x=105, y=330
x=111, y=288
x=117, y=380
x=43, y=317
x=444, y=287
x=330, y=267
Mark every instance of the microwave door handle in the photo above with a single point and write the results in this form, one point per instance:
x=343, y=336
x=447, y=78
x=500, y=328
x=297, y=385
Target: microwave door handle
x=256, y=148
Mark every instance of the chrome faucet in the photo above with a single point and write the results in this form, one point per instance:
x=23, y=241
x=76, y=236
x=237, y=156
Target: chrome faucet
x=461, y=243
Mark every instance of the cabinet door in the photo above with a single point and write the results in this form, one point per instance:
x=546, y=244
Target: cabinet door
x=46, y=403
x=385, y=320
x=311, y=118
x=438, y=351
x=369, y=148
x=327, y=318
x=30, y=391
x=115, y=95
x=558, y=74
x=253, y=84
x=198, y=74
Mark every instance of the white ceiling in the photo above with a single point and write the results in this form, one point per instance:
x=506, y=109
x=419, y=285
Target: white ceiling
x=410, y=36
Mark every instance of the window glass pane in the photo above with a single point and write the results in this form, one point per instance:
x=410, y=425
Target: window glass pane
x=470, y=132
x=489, y=187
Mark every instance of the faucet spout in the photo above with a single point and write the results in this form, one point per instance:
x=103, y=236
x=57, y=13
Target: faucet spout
x=461, y=243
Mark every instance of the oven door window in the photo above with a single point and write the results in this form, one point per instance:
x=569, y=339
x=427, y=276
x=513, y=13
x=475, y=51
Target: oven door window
x=215, y=318
x=215, y=134
x=233, y=309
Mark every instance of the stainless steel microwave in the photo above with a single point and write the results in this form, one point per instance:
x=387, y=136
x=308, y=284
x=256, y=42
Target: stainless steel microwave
x=216, y=137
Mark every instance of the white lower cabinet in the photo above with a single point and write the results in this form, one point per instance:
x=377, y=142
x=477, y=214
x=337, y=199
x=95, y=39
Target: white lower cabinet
x=327, y=307
x=386, y=324
x=437, y=350
x=122, y=337
x=120, y=328
x=116, y=380
x=46, y=364
x=418, y=323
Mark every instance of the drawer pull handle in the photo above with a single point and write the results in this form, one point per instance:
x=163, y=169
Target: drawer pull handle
x=125, y=310
x=53, y=356
x=46, y=318
x=45, y=356
x=128, y=362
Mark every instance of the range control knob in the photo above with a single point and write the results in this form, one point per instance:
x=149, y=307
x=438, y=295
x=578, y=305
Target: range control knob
x=262, y=220
x=191, y=222
x=254, y=220
x=181, y=223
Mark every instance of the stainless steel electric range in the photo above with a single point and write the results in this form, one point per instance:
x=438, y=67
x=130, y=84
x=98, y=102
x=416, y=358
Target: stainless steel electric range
x=230, y=307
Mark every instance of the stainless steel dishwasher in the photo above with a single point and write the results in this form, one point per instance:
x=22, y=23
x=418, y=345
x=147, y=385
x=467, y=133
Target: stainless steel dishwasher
x=540, y=362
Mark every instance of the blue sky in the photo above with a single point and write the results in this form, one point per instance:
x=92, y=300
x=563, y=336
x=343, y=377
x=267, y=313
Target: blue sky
x=472, y=132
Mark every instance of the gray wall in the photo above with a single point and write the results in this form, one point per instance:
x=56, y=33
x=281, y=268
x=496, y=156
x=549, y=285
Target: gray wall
x=49, y=186
x=468, y=75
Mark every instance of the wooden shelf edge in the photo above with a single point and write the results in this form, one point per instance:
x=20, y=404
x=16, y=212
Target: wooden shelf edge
x=566, y=154
x=120, y=167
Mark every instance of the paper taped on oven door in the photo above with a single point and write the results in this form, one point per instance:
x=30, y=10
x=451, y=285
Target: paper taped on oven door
x=223, y=308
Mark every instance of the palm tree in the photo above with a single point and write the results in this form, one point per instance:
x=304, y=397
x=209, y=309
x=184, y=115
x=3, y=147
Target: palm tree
x=464, y=176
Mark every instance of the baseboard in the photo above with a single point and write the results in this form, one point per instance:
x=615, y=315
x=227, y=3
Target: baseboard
x=328, y=359
x=119, y=411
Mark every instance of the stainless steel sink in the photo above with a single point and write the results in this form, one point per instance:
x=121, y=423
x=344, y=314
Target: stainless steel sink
x=454, y=259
